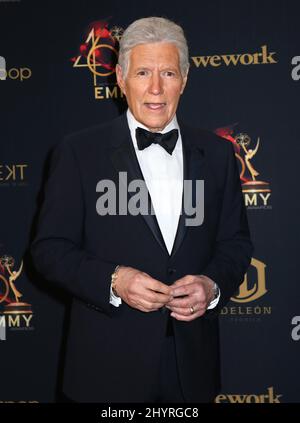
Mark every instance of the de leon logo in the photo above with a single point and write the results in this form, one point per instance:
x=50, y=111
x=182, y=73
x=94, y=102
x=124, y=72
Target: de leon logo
x=243, y=305
x=254, y=288
x=98, y=55
x=15, y=314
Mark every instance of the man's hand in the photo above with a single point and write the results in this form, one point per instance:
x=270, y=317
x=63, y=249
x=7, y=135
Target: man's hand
x=140, y=290
x=196, y=292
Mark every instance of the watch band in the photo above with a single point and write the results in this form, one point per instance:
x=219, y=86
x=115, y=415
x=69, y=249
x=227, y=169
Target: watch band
x=216, y=290
x=113, y=281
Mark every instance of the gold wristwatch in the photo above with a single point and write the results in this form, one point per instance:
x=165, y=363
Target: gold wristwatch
x=216, y=291
x=113, y=281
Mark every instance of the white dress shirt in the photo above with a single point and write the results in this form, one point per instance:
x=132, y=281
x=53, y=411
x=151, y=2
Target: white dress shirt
x=163, y=175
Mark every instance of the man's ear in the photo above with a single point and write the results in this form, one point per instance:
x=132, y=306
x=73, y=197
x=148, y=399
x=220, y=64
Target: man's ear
x=184, y=82
x=120, y=79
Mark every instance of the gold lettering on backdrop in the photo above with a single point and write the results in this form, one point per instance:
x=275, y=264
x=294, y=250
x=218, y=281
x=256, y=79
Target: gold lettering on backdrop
x=113, y=92
x=22, y=170
x=246, y=311
x=245, y=59
x=98, y=93
x=14, y=73
x=215, y=61
x=270, y=398
x=13, y=320
x=12, y=172
x=106, y=92
x=231, y=59
x=27, y=319
x=250, y=199
x=16, y=320
x=265, y=197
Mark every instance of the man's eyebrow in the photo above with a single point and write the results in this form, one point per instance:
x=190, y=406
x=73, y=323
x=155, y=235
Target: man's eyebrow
x=165, y=68
x=142, y=67
x=170, y=68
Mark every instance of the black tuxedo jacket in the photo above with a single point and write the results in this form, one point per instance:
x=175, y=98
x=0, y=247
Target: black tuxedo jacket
x=113, y=352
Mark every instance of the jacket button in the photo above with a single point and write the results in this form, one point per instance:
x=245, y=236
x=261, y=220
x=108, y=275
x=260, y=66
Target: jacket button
x=171, y=271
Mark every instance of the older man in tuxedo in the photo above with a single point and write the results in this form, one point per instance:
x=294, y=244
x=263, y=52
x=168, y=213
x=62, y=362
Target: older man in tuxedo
x=146, y=286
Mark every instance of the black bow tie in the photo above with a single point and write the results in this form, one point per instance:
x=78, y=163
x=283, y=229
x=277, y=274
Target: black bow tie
x=146, y=138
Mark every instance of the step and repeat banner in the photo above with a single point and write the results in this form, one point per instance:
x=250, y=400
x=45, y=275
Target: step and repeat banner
x=57, y=76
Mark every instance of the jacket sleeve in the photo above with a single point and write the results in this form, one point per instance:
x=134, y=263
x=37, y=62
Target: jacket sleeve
x=233, y=248
x=57, y=249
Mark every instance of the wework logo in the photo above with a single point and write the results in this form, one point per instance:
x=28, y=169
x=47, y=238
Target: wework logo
x=269, y=398
x=264, y=57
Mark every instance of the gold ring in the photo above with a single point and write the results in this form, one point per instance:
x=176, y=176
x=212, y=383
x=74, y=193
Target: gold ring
x=192, y=310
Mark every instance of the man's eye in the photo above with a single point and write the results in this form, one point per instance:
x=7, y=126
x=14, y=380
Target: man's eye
x=169, y=73
x=142, y=73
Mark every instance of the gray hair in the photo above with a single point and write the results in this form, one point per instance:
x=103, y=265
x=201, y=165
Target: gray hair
x=153, y=30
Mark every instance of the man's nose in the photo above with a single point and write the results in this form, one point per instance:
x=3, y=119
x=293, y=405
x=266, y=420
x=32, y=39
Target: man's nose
x=156, y=84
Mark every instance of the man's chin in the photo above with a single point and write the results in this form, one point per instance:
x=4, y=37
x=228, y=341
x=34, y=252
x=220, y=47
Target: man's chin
x=155, y=124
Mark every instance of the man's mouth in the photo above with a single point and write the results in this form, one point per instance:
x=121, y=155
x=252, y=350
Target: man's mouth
x=155, y=106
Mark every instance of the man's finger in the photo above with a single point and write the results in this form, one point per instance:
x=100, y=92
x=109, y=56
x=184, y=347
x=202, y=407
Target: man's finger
x=158, y=286
x=186, y=289
x=157, y=297
x=180, y=302
x=186, y=280
x=149, y=297
x=187, y=318
x=150, y=306
x=186, y=311
x=184, y=318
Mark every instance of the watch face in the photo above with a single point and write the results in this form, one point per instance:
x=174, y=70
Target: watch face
x=216, y=290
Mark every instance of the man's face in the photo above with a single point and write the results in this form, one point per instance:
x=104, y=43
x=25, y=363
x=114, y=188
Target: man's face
x=153, y=83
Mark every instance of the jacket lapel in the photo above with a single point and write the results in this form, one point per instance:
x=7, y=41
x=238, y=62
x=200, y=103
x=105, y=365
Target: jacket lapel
x=193, y=170
x=124, y=159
